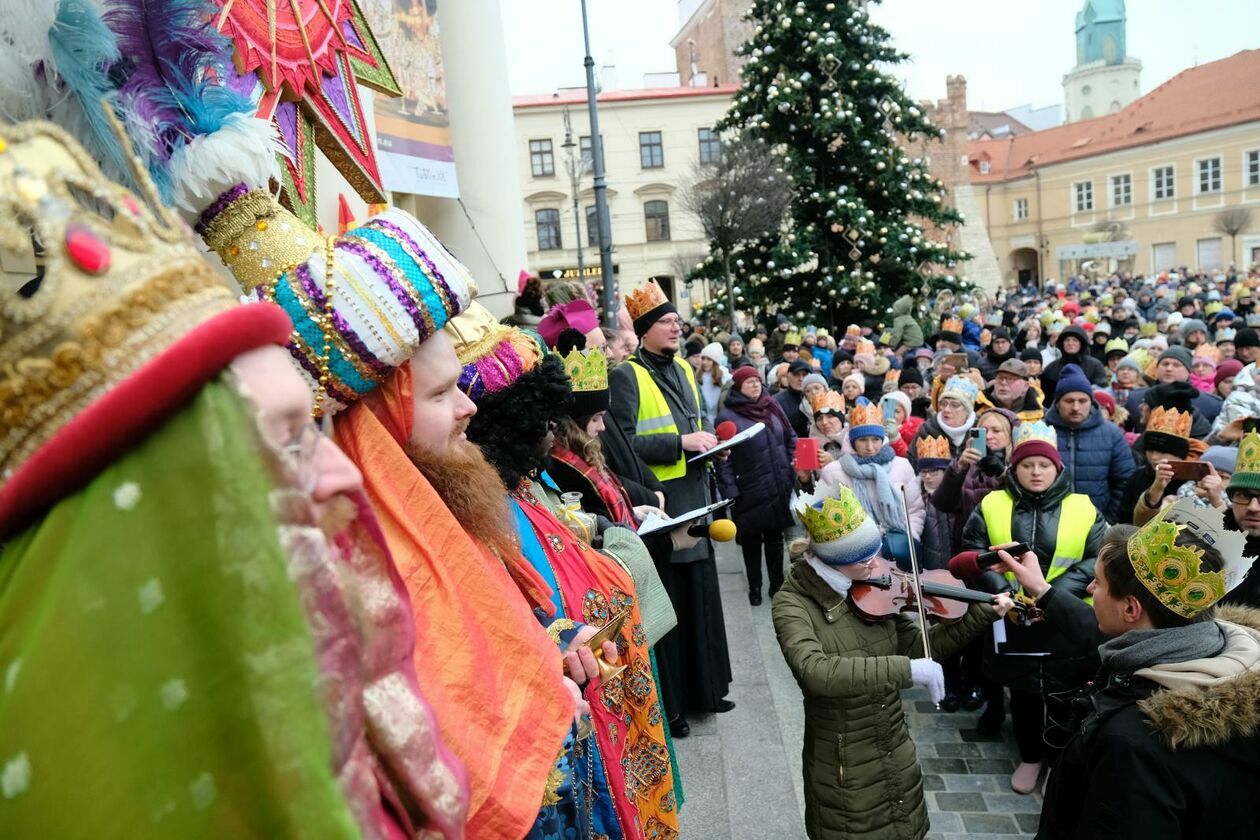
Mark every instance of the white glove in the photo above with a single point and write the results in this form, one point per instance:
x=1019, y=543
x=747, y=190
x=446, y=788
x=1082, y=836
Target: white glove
x=928, y=673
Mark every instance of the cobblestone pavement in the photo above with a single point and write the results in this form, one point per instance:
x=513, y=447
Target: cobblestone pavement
x=742, y=770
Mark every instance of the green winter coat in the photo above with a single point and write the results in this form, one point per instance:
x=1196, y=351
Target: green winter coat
x=905, y=330
x=862, y=777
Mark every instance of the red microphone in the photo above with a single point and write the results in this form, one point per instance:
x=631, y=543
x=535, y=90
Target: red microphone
x=964, y=566
x=726, y=430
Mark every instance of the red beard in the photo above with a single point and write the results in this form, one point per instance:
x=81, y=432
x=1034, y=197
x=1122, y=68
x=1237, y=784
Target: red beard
x=473, y=491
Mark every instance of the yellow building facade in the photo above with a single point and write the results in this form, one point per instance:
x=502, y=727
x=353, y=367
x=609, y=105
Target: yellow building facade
x=653, y=140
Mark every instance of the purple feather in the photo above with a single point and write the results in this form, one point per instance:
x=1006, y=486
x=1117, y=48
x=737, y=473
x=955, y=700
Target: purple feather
x=172, y=71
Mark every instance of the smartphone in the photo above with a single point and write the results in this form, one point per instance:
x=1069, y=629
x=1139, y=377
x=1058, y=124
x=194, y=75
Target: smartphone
x=989, y=558
x=979, y=440
x=958, y=360
x=807, y=455
x=1251, y=424
x=890, y=411
x=1190, y=470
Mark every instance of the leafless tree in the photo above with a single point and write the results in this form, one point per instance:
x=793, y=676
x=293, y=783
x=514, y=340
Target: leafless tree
x=740, y=198
x=1232, y=222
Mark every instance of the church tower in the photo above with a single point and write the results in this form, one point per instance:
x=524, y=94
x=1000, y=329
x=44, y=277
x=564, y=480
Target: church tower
x=1105, y=78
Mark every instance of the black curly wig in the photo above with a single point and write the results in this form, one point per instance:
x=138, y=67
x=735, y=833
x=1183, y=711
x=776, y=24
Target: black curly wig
x=511, y=425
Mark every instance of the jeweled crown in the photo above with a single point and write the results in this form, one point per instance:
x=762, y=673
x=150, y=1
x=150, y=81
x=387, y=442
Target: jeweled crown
x=1169, y=421
x=827, y=401
x=98, y=283
x=865, y=413
x=587, y=371
x=1036, y=430
x=932, y=446
x=645, y=299
x=494, y=355
x=1174, y=573
x=830, y=518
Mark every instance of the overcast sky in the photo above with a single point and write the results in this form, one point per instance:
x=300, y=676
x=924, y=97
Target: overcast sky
x=1013, y=52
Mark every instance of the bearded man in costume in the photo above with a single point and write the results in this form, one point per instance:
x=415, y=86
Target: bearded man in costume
x=655, y=401
x=204, y=633
x=521, y=392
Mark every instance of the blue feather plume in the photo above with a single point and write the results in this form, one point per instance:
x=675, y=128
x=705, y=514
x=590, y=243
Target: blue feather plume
x=84, y=49
x=173, y=72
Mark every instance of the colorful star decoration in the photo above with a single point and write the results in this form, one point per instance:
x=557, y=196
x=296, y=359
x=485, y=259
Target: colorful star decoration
x=307, y=56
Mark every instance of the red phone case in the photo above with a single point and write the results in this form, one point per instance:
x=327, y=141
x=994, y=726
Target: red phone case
x=807, y=454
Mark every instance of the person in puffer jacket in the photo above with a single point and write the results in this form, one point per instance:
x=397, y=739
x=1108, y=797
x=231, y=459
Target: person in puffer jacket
x=906, y=334
x=1243, y=401
x=1096, y=456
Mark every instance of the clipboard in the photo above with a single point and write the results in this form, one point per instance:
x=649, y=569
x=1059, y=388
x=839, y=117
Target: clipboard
x=654, y=523
x=748, y=434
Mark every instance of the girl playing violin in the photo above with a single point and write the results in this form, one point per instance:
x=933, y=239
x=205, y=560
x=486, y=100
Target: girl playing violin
x=862, y=777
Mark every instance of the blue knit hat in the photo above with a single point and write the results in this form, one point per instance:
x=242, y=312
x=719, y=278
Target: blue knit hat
x=1071, y=380
x=866, y=419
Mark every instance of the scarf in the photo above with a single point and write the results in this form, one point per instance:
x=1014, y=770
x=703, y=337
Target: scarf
x=956, y=434
x=761, y=410
x=833, y=577
x=610, y=490
x=466, y=605
x=1142, y=648
x=886, y=506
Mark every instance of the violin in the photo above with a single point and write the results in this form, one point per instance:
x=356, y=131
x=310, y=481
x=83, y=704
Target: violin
x=889, y=591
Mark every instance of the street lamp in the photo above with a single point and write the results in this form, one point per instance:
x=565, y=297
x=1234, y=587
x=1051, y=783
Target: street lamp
x=608, y=298
x=576, y=166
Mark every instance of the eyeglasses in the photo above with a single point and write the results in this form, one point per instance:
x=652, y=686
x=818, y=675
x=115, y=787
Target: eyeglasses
x=671, y=322
x=1243, y=497
x=302, y=453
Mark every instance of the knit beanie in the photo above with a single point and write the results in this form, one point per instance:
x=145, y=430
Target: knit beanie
x=1036, y=438
x=962, y=389
x=910, y=375
x=814, y=379
x=1247, y=469
x=1178, y=354
x=714, y=352
x=1105, y=401
x=1030, y=354
x=1072, y=380
x=742, y=375
x=1246, y=337
x=1224, y=458
x=1190, y=325
x=1226, y=369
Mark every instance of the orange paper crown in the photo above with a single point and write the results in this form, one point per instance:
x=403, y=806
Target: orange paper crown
x=827, y=401
x=869, y=414
x=952, y=324
x=1208, y=351
x=932, y=447
x=853, y=329
x=644, y=300
x=1169, y=421
x=865, y=345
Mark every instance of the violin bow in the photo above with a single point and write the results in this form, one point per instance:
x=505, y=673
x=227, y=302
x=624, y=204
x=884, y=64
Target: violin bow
x=914, y=569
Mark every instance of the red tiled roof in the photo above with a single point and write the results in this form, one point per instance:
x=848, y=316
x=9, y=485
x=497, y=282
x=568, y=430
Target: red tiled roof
x=578, y=96
x=1204, y=98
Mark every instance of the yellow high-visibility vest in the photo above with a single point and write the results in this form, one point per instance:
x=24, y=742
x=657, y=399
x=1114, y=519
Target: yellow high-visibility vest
x=1076, y=517
x=655, y=418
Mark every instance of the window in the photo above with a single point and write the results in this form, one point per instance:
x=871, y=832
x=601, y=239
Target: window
x=1163, y=183
x=984, y=167
x=1209, y=175
x=1121, y=190
x=592, y=227
x=588, y=153
x=710, y=146
x=1021, y=209
x=656, y=215
x=542, y=162
x=1084, y=193
x=651, y=150
x=548, y=224
x=1251, y=168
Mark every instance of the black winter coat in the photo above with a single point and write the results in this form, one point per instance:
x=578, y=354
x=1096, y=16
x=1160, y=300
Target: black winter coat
x=1094, y=370
x=759, y=475
x=790, y=401
x=1035, y=521
x=1172, y=760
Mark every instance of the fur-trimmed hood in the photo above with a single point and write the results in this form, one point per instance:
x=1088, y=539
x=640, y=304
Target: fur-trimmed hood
x=1213, y=702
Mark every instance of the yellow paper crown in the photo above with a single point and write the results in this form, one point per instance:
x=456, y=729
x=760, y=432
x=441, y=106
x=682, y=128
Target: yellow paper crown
x=932, y=446
x=111, y=282
x=866, y=414
x=827, y=401
x=1174, y=573
x=587, y=371
x=833, y=519
x=793, y=338
x=1248, y=454
x=952, y=325
x=1169, y=421
x=865, y=345
x=645, y=299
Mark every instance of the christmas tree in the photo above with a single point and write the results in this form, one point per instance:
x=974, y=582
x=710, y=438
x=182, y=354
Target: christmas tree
x=867, y=222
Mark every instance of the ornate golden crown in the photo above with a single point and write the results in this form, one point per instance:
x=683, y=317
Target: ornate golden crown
x=645, y=299
x=952, y=324
x=933, y=446
x=1248, y=454
x=1169, y=421
x=827, y=401
x=1174, y=573
x=830, y=518
x=587, y=371
x=866, y=414
x=98, y=284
